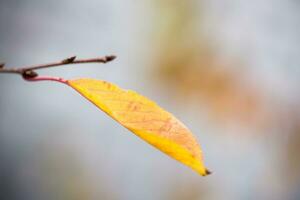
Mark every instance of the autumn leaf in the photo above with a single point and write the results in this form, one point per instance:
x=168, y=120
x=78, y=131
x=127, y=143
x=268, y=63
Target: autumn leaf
x=145, y=119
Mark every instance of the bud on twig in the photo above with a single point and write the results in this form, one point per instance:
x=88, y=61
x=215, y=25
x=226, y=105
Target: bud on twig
x=69, y=60
x=29, y=74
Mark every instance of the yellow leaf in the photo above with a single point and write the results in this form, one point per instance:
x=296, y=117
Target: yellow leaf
x=145, y=119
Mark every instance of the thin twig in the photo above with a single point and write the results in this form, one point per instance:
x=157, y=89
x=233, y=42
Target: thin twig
x=28, y=71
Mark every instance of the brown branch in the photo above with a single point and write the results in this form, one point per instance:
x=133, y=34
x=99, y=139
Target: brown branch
x=28, y=71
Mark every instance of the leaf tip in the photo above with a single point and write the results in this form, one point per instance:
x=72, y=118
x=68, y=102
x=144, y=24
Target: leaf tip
x=207, y=172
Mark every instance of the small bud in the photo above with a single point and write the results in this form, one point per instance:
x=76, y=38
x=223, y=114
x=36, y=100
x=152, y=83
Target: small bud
x=69, y=60
x=29, y=74
x=110, y=58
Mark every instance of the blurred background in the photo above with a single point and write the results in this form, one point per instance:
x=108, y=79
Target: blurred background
x=230, y=70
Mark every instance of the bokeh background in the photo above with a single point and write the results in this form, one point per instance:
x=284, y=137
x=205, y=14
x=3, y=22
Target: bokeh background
x=230, y=70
